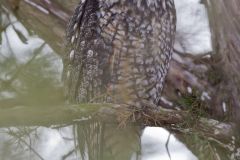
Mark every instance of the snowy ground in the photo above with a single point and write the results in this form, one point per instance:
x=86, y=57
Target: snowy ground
x=159, y=144
x=193, y=33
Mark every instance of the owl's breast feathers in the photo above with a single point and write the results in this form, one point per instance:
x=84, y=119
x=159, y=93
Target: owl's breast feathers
x=119, y=50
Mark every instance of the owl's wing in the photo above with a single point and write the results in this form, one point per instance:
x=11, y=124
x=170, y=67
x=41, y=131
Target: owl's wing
x=81, y=62
x=162, y=40
x=75, y=23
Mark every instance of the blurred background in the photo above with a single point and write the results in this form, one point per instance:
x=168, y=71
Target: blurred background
x=204, y=78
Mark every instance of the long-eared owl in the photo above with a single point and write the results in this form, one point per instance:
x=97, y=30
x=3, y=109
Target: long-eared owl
x=119, y=50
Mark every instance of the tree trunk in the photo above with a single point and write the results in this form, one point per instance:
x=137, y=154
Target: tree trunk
x=225, y=26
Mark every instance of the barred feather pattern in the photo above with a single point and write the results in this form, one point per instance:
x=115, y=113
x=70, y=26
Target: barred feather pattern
x=119, y=50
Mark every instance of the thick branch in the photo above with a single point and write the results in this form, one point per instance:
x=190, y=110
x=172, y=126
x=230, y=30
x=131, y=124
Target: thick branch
x=48, y=20
x=109, y=113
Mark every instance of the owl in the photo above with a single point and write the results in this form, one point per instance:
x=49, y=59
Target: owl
x=118, y=51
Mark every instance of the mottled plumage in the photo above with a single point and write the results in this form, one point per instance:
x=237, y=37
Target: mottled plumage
x=119, y=50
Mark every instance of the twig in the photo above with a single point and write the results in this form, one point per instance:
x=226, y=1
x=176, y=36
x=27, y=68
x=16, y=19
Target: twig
x=166, y=145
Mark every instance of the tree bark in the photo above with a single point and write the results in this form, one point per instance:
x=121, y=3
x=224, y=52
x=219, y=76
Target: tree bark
x=225, y=26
